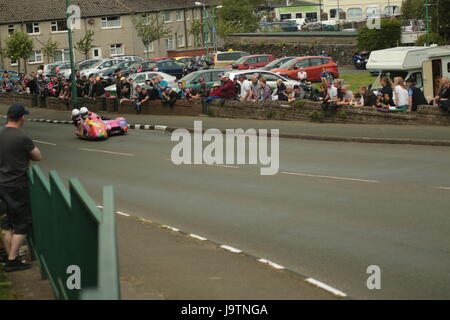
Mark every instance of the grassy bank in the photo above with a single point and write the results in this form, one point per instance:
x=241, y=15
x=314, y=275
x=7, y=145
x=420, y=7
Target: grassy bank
x=354, y=80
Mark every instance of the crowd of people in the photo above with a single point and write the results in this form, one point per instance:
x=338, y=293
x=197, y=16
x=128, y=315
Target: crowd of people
x=393, y=95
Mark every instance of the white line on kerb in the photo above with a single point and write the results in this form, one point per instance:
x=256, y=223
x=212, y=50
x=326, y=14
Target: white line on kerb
x=110, y=152
x=100, y=207
x=272, y=264
x=123, y=214
x=171, y=228
x=326, y=287
x=161, y=128
x=328, y=177
x=197, y=237
x=43, y=142
x=234, y=250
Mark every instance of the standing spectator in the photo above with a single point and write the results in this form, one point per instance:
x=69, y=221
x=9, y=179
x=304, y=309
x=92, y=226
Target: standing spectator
x=32, y=84
x=416, y=97
x=16, y=150
x=256, y=87
x=302, y=75
x=266, y=91
x=95, y=88
x=401, y=97
x=246, y=88
x=228, y=87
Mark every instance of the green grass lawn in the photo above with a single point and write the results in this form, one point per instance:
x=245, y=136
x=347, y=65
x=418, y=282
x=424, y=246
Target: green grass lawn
x=355, y=81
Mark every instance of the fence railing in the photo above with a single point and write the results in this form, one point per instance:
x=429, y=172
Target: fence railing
x=74, y=242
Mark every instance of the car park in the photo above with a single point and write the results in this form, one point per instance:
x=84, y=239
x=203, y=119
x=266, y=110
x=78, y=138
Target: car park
x=126, y=68
x=129, y=58
x=141, y=77
x=222, y=59
x=98, y=67
x=270, y=77
x=49, y=69
x=313, y=66
x=252, y=62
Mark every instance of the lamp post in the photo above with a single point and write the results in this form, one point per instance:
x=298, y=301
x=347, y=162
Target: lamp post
x=428, y=23
x=73, y=85
x=214, y=28
x=205, y=26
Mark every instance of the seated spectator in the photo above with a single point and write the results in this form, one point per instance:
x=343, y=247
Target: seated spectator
x=358, y=100
x=215, y=92
x=160, y=85
x=124, y=90
x=266, y=91
x=297, y=93
x=346, y=96
x=65, y=94
x=387, y=89
x=281, y=92
x=169, y=96
x=401, y=97
x=181, y=91
x=443, y=98
x=416, y=97
x=228, y=87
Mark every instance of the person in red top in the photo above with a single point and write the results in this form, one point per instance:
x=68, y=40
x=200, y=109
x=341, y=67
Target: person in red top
x=228, y=87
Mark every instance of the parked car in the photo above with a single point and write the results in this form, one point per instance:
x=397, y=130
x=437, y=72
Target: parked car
x=270, y=77
x=13, y=75
x=64, y=70
x=129, y=58
x=251, y=62
x=167, y=66
x=159, y=58
x=99, y=66
x=222, y=59
x=141, y=77
x=277, y=63
x=125, y=67
x=313, y=65
x=183, y=60
x=85, y=64
x=49, y=70
x=192, y=79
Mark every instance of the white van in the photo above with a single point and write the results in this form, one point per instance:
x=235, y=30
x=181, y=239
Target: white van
x=424, y=64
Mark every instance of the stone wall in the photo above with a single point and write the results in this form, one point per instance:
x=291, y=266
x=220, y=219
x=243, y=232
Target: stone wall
x=104, y=104
x=312, y=111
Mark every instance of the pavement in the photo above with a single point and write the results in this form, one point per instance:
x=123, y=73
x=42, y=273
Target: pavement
x=409, y=134
x=333, y=210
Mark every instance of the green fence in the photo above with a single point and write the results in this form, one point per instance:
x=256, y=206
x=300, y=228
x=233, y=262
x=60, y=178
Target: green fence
x=69, y=230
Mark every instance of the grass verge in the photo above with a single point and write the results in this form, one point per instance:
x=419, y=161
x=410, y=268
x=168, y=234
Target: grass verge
x=354, y=80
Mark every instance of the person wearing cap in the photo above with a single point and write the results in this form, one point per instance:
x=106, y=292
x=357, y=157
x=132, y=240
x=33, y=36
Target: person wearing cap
x=215, y=93
x=416, y=96
x=169, y=96
x=16, y=151
x=228, y=87
x=302, y=75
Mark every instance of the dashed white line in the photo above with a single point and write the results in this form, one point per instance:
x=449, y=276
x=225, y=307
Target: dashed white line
x=234, y=250
x=197, y=237
x=272, y=264
x=109, y=152
x=224, y=166
x=326, y=287
x=43, y=142
x=328, y=177
x=171, y=228
x=444, y=188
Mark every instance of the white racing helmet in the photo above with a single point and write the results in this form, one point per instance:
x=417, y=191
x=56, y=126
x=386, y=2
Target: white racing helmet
x=84, y=112
x=75, y=112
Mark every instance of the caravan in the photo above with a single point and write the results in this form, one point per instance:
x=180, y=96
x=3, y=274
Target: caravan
x=426, y=65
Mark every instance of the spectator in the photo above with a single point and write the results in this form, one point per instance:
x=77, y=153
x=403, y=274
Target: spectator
x=160, y=85
x=346, y=95
x=16, y=150
x=169, y=96
x=255, y=88
x=246, y=88
x=401, y=97
x=215, y=92
x=281, y=91
x=181, y=92
x=266, y=91
x=387, y=89
x=443, y=97
x=228, y=87
x=416, y=97
x=332, y=90
x=357, y=101
x=297, y=93
x=125, y=90
x=370, y=100
x=326, y=75
x=95, y=88
x=302, y=75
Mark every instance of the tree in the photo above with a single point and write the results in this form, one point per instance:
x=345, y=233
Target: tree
x=413, y=9
x=150, y=29
x=237, y=16
x=197, y=30
x=433, y=38
x=50, y=49
x=388, y=36
x=440, y=18
x=18, y=46
x=85, y=44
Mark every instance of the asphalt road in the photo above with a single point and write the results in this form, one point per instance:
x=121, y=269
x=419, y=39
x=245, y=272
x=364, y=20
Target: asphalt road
x=333, y=210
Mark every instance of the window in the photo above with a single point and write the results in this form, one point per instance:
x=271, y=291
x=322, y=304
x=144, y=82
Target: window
x=334, y=15
x=167, y=16
x=298, y=15
x=325, y=61
x=179, y=16
x=149, y=48
x=36, y=57
x=33, y=28
x=373, y=11
x=302, y=64
x=311, y=16
x=110, y=22
x=263, y=59
x=64, y=55
x=354, y=12
x=180, y=41
x=10, y=28
x=392, y=10
x=270, y=76
x=315, y=62
x=169, y=43
x=116, y=49
x=13, y=62
x=59, y=26
x=417, y=77
x=285, y=16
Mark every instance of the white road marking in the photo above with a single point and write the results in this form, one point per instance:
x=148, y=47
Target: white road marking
x=444, y=188
x=326, y=287
x=272, y=264
x=224, y=166
x=110, y=152
x=43, y=142
x=171, y=228
x=147, y=127
x=329, y=177
x=197, y=237
x=162, y=128
x=100, y=207
x=234, y=250
x=146, y=220
x=123, y=214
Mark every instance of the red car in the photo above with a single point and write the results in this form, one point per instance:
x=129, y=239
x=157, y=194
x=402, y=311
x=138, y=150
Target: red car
x=251, y=62
x=157, y=59
x=312, y=65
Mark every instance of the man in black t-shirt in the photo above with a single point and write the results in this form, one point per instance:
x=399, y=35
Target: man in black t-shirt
x=16, y=151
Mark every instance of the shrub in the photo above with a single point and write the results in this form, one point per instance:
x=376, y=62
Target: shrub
x=388, y=36
x=317, y=116
x=434, y=38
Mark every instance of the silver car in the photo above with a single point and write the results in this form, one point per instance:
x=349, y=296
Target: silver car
x=270, y=77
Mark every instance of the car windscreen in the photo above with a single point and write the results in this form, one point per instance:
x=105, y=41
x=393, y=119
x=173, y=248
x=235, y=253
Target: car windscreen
x=240, y=60
x=278, y=62
x=288, y=64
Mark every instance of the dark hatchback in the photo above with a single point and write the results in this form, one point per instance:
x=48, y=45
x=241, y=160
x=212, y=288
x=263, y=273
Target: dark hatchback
x=168, y=66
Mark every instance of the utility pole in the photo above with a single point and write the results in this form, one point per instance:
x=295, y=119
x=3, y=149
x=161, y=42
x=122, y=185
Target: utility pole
x=339, y=15
x=428, y=23
x=73, y=85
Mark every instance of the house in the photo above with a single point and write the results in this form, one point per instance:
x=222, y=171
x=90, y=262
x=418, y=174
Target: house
x=111, y=22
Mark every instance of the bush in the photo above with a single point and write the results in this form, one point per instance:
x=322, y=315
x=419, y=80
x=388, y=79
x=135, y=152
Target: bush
x=434, y=38
x=388, y=36
x=317, y=116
